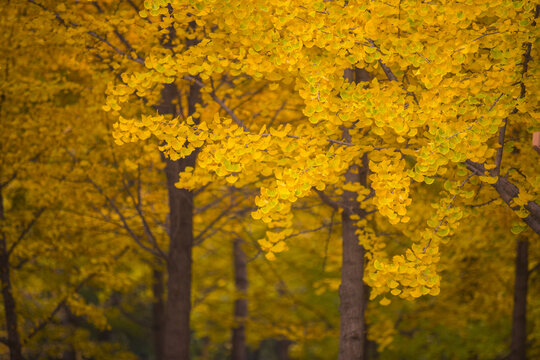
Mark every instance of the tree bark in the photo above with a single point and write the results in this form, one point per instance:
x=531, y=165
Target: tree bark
x=158, y=313
x=179, y=260
x=282, y=347
x=352, y=291
x=13, y=340
x=351, y=336
x=519, y=317
x=239, y=351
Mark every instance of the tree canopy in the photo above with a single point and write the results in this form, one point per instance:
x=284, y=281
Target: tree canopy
x=233, y=175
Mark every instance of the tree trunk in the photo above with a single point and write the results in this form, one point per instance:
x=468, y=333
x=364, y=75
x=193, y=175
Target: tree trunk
x=158, y=313
x=351, y=294
x=519, y=318
x=352, y=291
x=239, y=351
x=13, y=340
x=179, y=261
x=282, y=347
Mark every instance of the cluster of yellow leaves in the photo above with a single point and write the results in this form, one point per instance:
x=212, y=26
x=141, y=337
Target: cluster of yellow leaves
x=391, y=185
x=436, y=92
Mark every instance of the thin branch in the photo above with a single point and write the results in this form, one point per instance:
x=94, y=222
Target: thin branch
x=389, y=74
x=123, y=220
x=136, y=8
x=508, y=191
x=498, y=158
x=62, y=303
x=137, y=206
x=482, y=204
x=277, y=113
x=327, y=200
x=26, y=230
x=534, y=268
x=11, y=178
x=142, y=323
x=213, y=222
x=91, y=33
x=327, y=242
x=220, y=102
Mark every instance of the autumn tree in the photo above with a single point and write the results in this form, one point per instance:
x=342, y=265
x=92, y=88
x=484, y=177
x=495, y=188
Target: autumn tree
x=51, y=258
x=262, y=94
x=442, y=91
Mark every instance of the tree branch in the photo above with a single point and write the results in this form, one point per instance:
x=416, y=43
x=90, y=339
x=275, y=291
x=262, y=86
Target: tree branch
x=62, y=303
x=327, y=200
x=11, y=178
x=137, y=205
x=508, y=191
x=123, y=220
x=26, y=230
x=498, y=157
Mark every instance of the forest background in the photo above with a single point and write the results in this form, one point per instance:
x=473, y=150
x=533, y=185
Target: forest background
x=269, y=180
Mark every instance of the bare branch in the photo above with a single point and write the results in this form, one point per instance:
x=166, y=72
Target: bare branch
x=91, y=33
x=220, y=102
x=11, y=178
x=26, y=230
x=197, y=239
x=137, y=205
x=508, y=191
x=62, y=303
x=123, y=220
x=482, y=204
x=328, y=200
x=498, y=158
x=328, y=239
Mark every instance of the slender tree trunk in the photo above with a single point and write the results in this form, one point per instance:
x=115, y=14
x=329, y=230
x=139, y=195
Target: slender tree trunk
x=158, y=313
x=239, y=351
x=351, y=294
x=282, y=347
x=179, y=261
x=177, y=336
x=519, y=318
x=69, y=321
x=14, y=341
x=352, y=291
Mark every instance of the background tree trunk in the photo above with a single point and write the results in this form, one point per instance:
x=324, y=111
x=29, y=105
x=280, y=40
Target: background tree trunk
x=13, y=340
x=158, y=313
x=239, y=351
x=282, y=347
x=519, y=318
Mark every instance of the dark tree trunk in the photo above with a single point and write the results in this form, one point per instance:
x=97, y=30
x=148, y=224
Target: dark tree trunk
x=239, y=351
x=179, y=261
x=13, y=340
x=519, y=318
x=178, y=306
x=158, y=313
x=282, y=347
x=351, y=294
x=70, y=322
x=370, y=346
x=353, y=300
